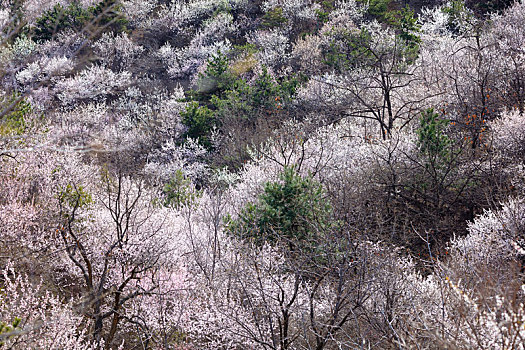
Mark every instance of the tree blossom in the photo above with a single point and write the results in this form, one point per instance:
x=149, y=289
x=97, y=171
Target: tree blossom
x=94, y=82
x=117, y=51
x=42, y=319
x=44, y=69
x=273, y=46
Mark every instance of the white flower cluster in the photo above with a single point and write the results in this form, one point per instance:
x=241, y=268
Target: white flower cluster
x=117, y=48
x=94, y=82
x=214, y=29
x=190, y=13
x=45, y=322
x=137, y=11
x=495, y=237
x=500, y=325
x=273, y=46
x=5, y=19
x=23, y=46
x=170, y=158
x=44, y=69
x=434, y=22
x=509, y=134
x=307, y=51
x=293, y=9
x=187, y=61
x=35, y=8
x=349, y=8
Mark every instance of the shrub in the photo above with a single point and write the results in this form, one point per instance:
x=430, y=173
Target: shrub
x=432, y=140
x=59, y=18
x=106, y=15
x=13, y=121
x=74, y=197
x=458, y=15
x=177, y=192
x=216, y=79
x=248, y=101
x=294, y=211
x=376, y=8
x=347, y=49
x=274, y=18
x=405, y=23
x=238, y=109
x=245, y=60
x=323, y=13
x=247, y=114
x=199, y=121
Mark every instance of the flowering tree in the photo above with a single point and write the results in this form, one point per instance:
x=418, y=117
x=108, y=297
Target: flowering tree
x=277, y=174
x=119, y=249
x=35, y=318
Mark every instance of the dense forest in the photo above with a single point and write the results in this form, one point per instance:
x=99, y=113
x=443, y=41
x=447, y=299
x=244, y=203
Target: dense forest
x=267, y=174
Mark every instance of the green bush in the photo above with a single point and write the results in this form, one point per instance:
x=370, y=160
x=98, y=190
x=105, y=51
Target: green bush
x=377, y=8
x=323, y=13
x=274, y=18
x=13, y=122
x=178, y=192
x=216, y=79
x=106, y=15
x=432, y=139
x=248, y=113
x=293, y=211
x=218, y=85
x=265, y=95
x=200, y=121
x=6, y=329
x=441, y=185
x=348, y=49
x=74, y=197
x=59, y=18
x=407, y=28
x=242, y=112
x=228, y=101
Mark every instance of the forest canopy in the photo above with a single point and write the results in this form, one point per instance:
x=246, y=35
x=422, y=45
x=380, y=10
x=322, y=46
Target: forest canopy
x=270, y=174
